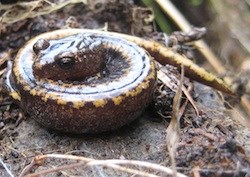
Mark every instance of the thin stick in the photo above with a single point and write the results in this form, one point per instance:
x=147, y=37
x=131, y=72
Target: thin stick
x=184, y=25
x=139, y=163
x=63, y=167
x=6, y=168
x=165, y=79
x=113, y=163
x=84, y=164
x=245, y=104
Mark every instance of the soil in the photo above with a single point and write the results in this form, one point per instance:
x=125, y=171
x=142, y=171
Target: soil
x=211, y=142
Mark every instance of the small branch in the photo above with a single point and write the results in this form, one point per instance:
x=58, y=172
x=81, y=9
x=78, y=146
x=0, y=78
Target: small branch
x=6, y=168
x=185, y=26
x=112, y=163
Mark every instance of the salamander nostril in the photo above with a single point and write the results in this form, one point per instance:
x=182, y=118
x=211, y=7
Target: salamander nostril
x=41, y=44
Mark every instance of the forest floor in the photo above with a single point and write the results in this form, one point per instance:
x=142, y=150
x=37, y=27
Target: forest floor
x=210, y=144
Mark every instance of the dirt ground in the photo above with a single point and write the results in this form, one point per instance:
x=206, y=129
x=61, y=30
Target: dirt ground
x=212, y=143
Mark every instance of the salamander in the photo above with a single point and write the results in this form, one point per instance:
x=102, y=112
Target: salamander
x=90, y=81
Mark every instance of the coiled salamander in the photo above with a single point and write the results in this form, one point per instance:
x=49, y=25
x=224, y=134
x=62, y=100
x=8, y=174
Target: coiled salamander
x=89, y=81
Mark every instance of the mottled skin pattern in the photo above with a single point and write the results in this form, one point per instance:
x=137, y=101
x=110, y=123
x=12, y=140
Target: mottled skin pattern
x=89, y=118
x=64, y=106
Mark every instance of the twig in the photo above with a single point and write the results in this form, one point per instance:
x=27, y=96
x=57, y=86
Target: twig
x=84, y=164
x=112, y=163
x=210, y=136
x=173, y=130
x=184, y=25
x=245, y=104
x=6, y=168
x=166, y=80
x=63, y=167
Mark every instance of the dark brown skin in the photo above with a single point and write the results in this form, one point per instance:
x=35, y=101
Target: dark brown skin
x=89, y=104
x=67, y=64
x=88, y=119
x=102, y=84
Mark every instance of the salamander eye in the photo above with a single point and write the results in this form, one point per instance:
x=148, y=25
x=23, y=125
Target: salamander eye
x=66, y=63
x=41, y=44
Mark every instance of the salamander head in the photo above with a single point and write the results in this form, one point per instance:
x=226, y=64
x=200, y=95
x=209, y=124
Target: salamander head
x=67, y=58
